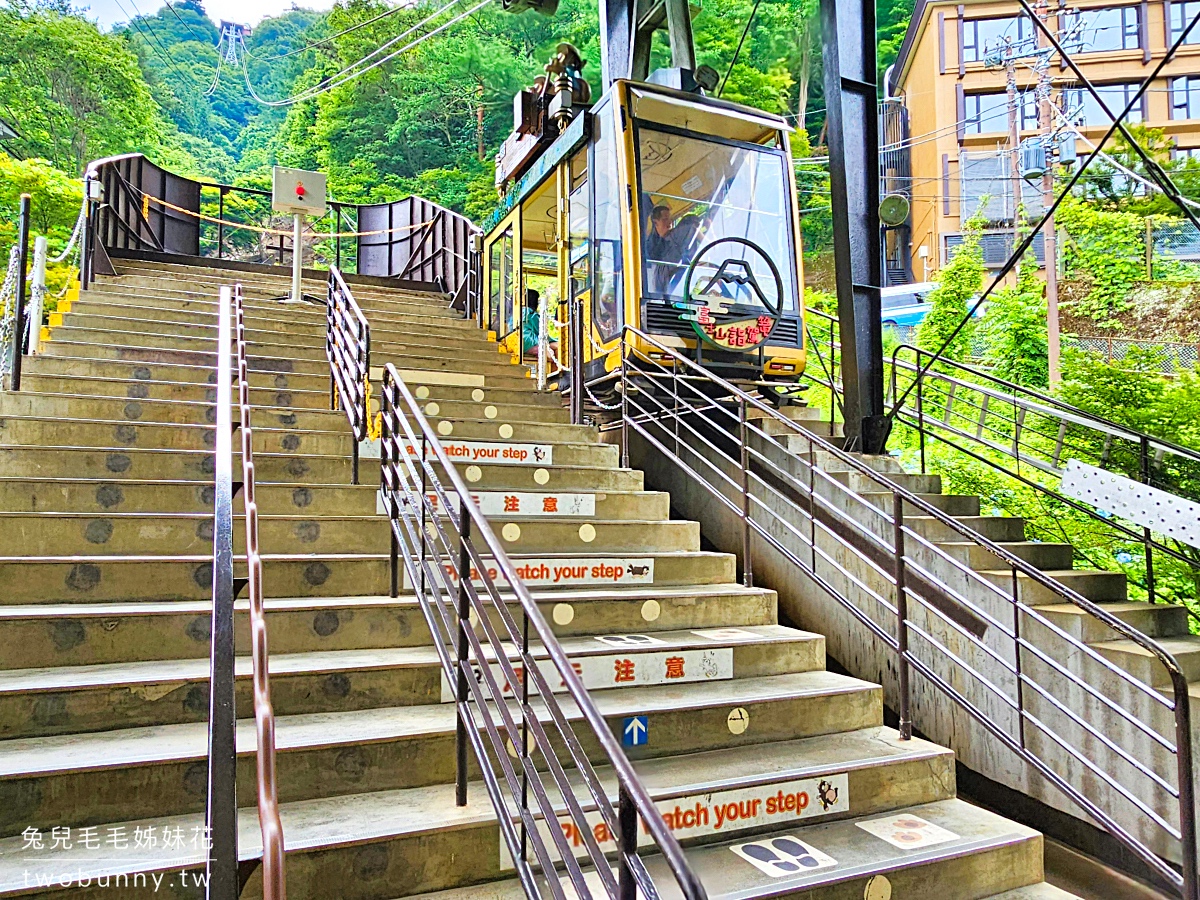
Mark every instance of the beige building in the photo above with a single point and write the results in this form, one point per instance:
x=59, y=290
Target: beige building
x=949, y=82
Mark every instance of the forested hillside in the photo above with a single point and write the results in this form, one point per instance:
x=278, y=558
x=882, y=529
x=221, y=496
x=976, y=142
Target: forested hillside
x=428, y=120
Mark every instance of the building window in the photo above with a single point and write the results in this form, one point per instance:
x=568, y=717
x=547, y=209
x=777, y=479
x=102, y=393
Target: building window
x=1083, y=109
x=1095, y=30
x=1185, y=97
x=985, y=113
x=996, y=245
x=1182, y=13
x=982, y=35
x=1183, y=154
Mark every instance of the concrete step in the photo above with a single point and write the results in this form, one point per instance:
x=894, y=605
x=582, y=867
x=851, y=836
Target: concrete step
x=129, y=631
x=980, y=855
x=172, y=533
x=1001, y=529
x=65, y=405
x=102, y=579
x=25, y=431
x=1096, y=585
x=503, y=427
x=264, y=373
x=1039, y=555
x=1145, y=666
x=172, y=465
x=469, y=409
x=75, y=700
x=87, y=496
x=323, y=756
x=1155, y=620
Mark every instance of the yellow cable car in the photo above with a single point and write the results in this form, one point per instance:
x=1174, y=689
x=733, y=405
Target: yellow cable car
x=665, y=210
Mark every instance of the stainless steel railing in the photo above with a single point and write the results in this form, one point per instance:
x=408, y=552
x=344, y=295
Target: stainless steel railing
x=1117, y=748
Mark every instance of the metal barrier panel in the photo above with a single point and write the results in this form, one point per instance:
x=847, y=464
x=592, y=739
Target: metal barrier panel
x=417, y=240
x=130, y=219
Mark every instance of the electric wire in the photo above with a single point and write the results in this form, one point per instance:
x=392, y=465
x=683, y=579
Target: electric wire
x=332, y=37
x=151, y=39
x=738, y=51
x=201, y=39
x=348, y=74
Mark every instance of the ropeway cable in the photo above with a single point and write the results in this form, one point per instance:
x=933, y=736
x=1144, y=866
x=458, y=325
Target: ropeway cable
x=349, y=74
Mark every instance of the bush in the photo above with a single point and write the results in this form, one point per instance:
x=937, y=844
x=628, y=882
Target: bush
x=958, y=283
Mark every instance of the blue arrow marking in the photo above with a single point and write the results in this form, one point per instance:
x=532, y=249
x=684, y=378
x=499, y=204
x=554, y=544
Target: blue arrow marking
x=636, y=731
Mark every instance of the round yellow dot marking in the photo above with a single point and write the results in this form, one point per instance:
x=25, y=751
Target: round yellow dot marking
x=490, y=411
x=477, y=395
x=541, y=476
x=511, y=532
x=651, y=610
x=473, y=617
x=878, y=888
x=506, y=430
x=422, y=393
x=474, y=473
x=432, y=409
x=445, y=427
x=564, y=614
x=512, y=749
x=738, y=720
x=587, y=532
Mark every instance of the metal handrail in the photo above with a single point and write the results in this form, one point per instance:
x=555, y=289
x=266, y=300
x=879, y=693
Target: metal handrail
x=1038, y=402
x=421, y=487
x=976, y=434
x=221, y=804
x=264, y=713
x=348, y=350
x=675, y=393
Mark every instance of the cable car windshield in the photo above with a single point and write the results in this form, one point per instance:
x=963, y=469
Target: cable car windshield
x=696, y=192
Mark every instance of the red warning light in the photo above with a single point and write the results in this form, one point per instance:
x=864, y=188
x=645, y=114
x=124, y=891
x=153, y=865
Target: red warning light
x=300, y=191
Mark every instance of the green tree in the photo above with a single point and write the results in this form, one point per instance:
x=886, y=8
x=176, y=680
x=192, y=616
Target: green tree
x=55, y=197
x=73, y=93
x=1014, y=329
x=958, y=283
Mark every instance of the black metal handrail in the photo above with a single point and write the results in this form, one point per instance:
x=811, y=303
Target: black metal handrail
x=221, y=799
x=264, y=714
x=1007, y=427
x=348, y=349
x=455, y=564
x=687, y=413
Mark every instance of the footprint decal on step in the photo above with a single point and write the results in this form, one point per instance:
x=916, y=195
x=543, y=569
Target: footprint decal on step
x=782, y=857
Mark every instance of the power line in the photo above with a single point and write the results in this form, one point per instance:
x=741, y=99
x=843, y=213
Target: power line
x=348, y=74
x=332, y=37
x=147, y=36
x=738, y=52
x=191, y=31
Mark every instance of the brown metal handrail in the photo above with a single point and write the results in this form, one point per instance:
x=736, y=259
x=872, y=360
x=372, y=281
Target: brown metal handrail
x=671, y=392
x=264, y=713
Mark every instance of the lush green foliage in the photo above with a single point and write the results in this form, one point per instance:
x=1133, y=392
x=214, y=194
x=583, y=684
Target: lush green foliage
x=1014, y=329
x=959, y=282
x=1105, y=247
x=56, y=198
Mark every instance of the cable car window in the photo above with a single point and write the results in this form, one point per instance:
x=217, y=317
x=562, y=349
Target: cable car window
x=695, y=192
x=500, y=265
x=609, y=288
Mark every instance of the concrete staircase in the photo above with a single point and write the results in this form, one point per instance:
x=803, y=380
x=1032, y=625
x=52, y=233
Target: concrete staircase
x=779, y=776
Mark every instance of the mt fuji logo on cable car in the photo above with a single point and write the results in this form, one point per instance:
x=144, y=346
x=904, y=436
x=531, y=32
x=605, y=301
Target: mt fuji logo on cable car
x=734, y=283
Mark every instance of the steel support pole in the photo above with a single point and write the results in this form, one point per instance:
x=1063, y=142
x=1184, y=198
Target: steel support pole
x=221, y=807
x=853, y=135
x=297, y=257
x=37, y=295
x=18, y=335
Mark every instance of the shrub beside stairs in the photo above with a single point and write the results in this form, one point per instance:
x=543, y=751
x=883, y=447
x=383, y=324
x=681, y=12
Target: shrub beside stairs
x=106, y=498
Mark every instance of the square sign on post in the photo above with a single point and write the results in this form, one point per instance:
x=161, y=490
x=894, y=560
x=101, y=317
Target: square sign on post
x=298, y=191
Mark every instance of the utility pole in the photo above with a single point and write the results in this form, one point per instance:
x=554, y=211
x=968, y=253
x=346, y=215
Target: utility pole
x=1049, y=234
x=1014, y=132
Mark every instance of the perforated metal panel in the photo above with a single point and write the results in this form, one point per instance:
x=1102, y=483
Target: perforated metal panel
x=1149, y=507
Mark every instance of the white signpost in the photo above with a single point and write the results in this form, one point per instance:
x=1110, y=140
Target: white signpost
x=300, y=193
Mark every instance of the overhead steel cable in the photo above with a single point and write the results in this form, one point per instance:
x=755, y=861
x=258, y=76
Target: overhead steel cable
x=1027, y=241
x=191, y=31
x=332, y=37
x=151, y=39
x=738, y=51
x=351, y=72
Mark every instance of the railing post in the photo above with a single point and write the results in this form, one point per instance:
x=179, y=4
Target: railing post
x=85, y=237
x=1147, y=539
x=747, y=565
x=624, y=411
x=901, y=619
x=221, y=806
x=812, y=503
x=1187, y=787
x=220, y=223
x=1016, y=593
x=627, y=823
x=460, y=688
x=18, y=334
x=920, y=412
x=575, y=346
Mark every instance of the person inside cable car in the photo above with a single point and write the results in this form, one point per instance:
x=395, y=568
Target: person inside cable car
x=531, y=327
x=670, y=246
